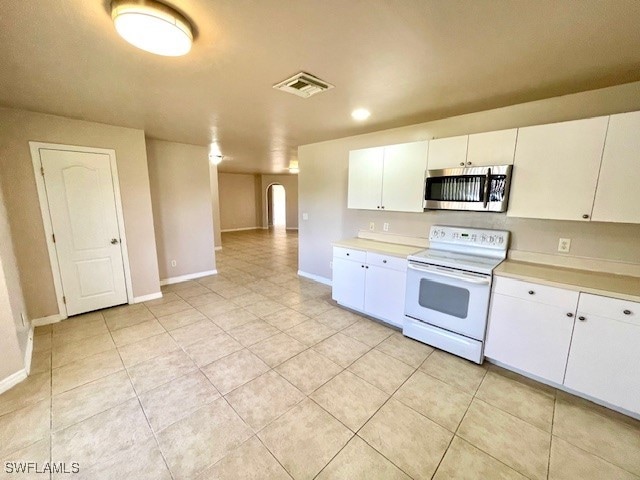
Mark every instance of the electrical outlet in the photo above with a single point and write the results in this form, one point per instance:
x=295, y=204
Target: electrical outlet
x=564, y=245
x=305, y=216
x=385, y=227
x=173, y=263
x=372, y=226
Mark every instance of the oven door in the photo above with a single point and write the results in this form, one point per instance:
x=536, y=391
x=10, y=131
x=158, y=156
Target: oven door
x=452, y=299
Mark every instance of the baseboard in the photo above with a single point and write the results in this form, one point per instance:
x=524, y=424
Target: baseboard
x=190, y=276
x=317, y=278
x=12, y=380
x=292, y=228
x=597, y=401
x=39, y=322
x=28, y=354
x=218, y=248
x=148, y=298
x=240, y=229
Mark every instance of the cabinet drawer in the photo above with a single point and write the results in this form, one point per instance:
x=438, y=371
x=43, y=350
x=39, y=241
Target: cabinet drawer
x=350, y=254
x=387, y=261
x=621, y=310
x=535, y=292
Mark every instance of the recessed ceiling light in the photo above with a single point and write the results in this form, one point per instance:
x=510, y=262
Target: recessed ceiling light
x=360, y=114
x=152, y=26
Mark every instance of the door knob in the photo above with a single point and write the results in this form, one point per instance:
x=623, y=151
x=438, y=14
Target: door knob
x=114, y=241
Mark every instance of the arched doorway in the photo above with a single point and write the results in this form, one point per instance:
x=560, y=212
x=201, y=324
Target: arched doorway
x=276, y=206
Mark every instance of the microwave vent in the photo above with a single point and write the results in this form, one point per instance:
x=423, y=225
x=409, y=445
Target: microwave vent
x=303, y=85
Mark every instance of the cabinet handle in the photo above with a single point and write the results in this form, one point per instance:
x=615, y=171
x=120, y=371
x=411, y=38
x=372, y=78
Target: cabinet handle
x=531, y=292
x=348, y=254
x=384, y=261
x=468, y=163
x=382, y=207
x=585, y=216
x=361, y=266
x=367, y=266
x=627, y=312
x=581, y=318
x=569, y=314
x=378, y=206
x=462, y=164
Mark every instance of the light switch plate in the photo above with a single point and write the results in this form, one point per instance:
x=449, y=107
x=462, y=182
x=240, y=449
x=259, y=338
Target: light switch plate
x=564, y=245
x=305, y=216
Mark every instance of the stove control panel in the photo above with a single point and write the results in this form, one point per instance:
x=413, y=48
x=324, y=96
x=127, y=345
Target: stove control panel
x=472, y=237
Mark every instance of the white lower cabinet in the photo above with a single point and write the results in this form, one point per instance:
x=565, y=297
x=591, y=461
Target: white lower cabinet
x=604, y=361
x=531, y=331
x=371, y=283
x=588, y=343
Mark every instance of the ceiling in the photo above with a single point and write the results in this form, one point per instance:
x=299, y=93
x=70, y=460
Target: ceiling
x=406, y=60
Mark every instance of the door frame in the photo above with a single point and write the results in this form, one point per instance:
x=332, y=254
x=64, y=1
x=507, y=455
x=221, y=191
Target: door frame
x=35, y=148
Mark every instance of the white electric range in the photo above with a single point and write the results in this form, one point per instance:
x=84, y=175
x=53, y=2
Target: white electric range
x=449, y=286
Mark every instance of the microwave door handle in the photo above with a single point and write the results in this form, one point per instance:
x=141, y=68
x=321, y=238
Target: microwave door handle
x=487, y=185
x=464, y=278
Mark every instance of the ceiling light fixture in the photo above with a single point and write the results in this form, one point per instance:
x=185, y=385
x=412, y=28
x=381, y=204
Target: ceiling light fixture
x=215, y=159
x=360, y=114
x=152, y=26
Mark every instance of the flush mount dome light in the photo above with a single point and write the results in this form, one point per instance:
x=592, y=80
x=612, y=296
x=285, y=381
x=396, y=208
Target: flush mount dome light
x=152, y=26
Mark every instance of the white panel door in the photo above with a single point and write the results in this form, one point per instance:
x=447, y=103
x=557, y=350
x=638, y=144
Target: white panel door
x=556, y=170
x=604, y=356
x=403, y=178
x=82, y=205
x=532, y=337
x=365, y=178
x=448, y=152
x=492, y=148
x=348, y=283
x=384, y=294
x=618, y=195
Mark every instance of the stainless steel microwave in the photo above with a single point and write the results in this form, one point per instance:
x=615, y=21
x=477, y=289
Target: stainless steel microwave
x=481, y=189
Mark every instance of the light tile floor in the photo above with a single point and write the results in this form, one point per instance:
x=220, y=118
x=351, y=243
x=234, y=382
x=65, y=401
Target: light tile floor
x=256, y=373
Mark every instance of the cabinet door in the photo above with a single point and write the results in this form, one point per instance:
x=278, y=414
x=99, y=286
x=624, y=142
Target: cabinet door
x=492, y=148
x=403, y=177
x=384, y=294
x=618, y=195
x=604, y=356
x=348, y=283
x=447, y=152
x=556, y=170
x=532, y=337
x=365, y=178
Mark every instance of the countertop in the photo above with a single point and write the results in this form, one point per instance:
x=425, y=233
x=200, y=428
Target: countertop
x=598, y=283
x=385, y=248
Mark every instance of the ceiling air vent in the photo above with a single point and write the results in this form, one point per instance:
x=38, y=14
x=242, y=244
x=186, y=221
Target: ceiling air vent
x=303, y=85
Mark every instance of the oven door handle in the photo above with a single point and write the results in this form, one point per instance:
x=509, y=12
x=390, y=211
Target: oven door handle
x=464, y=278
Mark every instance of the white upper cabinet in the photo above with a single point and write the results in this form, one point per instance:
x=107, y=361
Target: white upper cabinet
x=556, y=169
x=448, y=152
x=365, y=178
x=492, y=148
x=388, y=178
x=618, y=195
x=403, y=177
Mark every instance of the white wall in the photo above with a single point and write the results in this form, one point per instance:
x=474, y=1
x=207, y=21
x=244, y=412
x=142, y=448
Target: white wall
x=323, y=186
x=240, y=204
x=182, y=207
x=13, y=334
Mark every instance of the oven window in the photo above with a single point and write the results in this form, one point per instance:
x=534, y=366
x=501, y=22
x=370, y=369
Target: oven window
x=444, y=298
